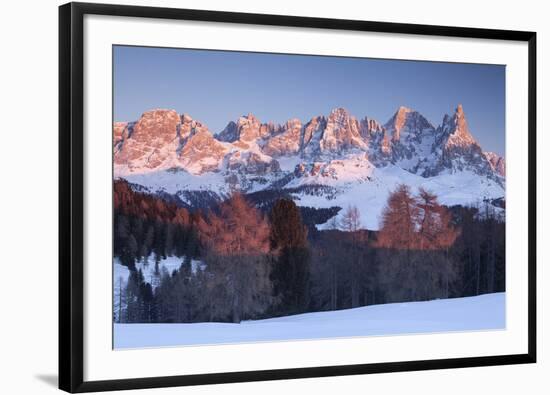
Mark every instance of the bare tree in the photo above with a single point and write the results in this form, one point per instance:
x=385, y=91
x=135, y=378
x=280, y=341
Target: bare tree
x=351, y=222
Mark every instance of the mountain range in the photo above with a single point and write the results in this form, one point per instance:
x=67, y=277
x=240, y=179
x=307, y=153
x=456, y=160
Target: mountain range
x=331, y=160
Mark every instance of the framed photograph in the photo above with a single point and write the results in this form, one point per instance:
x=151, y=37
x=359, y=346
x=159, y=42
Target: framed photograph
x=250, y=197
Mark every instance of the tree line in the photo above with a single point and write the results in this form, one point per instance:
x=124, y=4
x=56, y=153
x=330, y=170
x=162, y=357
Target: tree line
x=147, y=226
x=259, y=264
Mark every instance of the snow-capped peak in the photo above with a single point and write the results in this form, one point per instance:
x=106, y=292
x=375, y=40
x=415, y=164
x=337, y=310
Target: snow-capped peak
x=457, y=130
x=339, y=112
x=248, y=119
x=455, y=149
x=407, y=121
x=163, y=139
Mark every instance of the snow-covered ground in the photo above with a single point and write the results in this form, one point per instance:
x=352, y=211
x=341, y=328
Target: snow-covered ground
x=370, y=194
x=485, y=312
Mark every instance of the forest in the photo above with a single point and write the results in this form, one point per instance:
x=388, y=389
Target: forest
x=261, y=261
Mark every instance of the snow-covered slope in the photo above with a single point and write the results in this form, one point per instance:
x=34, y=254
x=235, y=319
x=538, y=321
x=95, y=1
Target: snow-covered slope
x=370, y=194
x=357, y=162
x=350, y=181
x=485, y=312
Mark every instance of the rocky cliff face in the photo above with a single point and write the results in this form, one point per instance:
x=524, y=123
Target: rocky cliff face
x=407, y=136
x=286, y=140
x=455, y=149
x=498, y=164
x=163, y=139
x=341, y=133
x=200, y=152
x=148, y=143
x=247, y=129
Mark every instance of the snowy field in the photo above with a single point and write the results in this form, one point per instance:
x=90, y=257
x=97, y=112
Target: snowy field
x=485, y=312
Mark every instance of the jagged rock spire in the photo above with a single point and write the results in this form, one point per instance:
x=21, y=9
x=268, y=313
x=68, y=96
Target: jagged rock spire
x=455, y=129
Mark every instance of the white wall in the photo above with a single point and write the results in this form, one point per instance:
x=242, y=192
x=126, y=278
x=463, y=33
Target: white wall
x=28, y=163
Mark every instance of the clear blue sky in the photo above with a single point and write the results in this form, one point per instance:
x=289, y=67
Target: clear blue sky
x=216, y=87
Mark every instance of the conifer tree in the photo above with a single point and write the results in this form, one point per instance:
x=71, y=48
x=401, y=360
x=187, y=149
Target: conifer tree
x=291, y=269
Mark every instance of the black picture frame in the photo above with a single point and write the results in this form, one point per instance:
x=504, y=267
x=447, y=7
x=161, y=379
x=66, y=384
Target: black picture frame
x=71, y=195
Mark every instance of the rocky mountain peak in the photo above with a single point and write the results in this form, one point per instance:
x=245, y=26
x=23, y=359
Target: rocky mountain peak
x=341, y=133
x=339, y=112
x=287, y=140
x=249, y=118
x=147, y=142
x=455, y=130
x=312, y=134
x=248, y=128
x=163, y=139
x=186, y=118
x=455, y=149
x=370, y=129
x=157, y=122
x=292, y=123
x=248, y=121
x=340, y=117
x=497, y=163
x=407, y=123
x=230, y=133
x=401, y=116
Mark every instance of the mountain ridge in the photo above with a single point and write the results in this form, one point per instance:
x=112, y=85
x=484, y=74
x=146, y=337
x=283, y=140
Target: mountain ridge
x=163, y=139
